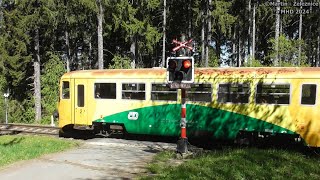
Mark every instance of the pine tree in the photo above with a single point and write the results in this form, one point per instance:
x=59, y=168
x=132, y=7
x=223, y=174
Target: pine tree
x=223, y=22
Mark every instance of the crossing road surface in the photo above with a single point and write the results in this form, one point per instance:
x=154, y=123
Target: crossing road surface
x=97, y=159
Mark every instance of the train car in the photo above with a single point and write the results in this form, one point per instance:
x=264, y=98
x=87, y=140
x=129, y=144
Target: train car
x=222, y=103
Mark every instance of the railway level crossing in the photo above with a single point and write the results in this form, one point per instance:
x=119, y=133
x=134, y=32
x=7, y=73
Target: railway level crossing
x=180, y=75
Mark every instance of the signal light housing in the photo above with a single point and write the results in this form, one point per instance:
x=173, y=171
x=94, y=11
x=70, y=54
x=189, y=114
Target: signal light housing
x=180, y=69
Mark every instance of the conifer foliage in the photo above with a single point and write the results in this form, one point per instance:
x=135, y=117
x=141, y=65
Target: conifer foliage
x=42, y=39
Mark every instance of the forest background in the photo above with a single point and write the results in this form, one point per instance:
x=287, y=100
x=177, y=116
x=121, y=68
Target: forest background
x=42, y=39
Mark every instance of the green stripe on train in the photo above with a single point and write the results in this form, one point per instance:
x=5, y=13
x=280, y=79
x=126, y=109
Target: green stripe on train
x=201, y=121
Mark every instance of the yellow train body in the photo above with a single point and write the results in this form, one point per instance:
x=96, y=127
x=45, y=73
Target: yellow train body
x=294, y=109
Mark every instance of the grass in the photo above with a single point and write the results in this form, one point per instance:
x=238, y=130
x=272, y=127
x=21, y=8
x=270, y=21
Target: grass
x=247, y=163
x=19, y=147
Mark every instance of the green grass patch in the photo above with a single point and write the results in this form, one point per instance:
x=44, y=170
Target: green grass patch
x=160, y=161
x=247, y=163
x=19, y=147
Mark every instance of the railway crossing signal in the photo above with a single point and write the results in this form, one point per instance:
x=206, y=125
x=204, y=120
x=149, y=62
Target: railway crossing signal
x=180, y=69
x=180, y=75
x=182, y=45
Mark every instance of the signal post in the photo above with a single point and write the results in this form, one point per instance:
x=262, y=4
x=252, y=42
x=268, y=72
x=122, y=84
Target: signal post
x=182, y=145
x=180, y=75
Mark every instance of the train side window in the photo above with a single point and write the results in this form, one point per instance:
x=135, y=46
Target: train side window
x=80, y=95
x=65, y=90
x=105, y=90
x=273, y=93
x=135, y=91
x=200, y=92
x=308, y=94
x=163, y=92
x=233, y=93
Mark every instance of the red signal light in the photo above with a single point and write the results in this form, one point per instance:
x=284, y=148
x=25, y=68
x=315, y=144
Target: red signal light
x=186, y=64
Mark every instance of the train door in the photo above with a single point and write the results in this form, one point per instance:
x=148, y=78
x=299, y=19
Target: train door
x=65, y=105
x=80, y=102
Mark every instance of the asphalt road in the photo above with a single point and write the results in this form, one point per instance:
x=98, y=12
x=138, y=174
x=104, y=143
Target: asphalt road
x=96, y=159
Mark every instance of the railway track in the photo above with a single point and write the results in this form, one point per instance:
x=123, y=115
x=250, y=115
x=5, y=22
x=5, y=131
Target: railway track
x=12, y=128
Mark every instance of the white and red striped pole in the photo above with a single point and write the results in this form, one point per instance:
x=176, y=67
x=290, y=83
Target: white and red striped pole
x=183, y=141
x=183, y=122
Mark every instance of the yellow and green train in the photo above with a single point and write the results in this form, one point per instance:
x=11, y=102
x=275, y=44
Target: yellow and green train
x=223, y=103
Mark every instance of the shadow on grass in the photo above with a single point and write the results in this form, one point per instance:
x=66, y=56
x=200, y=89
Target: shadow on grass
x=198, y=144
x=12, y=142
x=274, y=158
x=271, y=143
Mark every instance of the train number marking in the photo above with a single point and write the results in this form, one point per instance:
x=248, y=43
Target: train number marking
x=133, y=115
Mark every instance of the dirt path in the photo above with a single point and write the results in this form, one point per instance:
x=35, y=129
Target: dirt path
x=103, y=158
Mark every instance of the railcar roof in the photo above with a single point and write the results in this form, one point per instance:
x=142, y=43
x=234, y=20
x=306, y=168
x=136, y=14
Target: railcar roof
x=110, y=73
x=292, y=72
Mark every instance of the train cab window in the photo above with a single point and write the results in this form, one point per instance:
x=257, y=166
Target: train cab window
x=233, y=93
x=163, y=93
x=273, y=93
x=200, y=92
x=308, y=94
x=135, y=91
x=81, y=95
x=65, y=90
x=105, y=90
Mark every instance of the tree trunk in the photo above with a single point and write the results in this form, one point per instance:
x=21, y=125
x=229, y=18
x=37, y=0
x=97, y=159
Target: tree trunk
x=233, y=59
x=90, y=53
x=253, y=33
x=300, y=33
x=37, y=82
x=67, y=50
x=183, y=51
x=190, y=19
x=164, y=33
x=202, y=36
x=77, y=59
x=1, y=14
x=280, y=26
x=100, y=36
x=276, y=59
x=208, y=33
x=249, y=32
x=133, y=52
x=239, y=49
x=218, y=45
x=318, y=51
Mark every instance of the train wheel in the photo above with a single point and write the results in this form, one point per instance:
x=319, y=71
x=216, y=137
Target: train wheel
x=67, y=131
x=245, y=138
x=61, y=133
x=65, y=134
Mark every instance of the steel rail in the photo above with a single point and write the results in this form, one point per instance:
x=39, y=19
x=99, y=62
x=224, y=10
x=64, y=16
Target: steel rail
x=13, y=128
